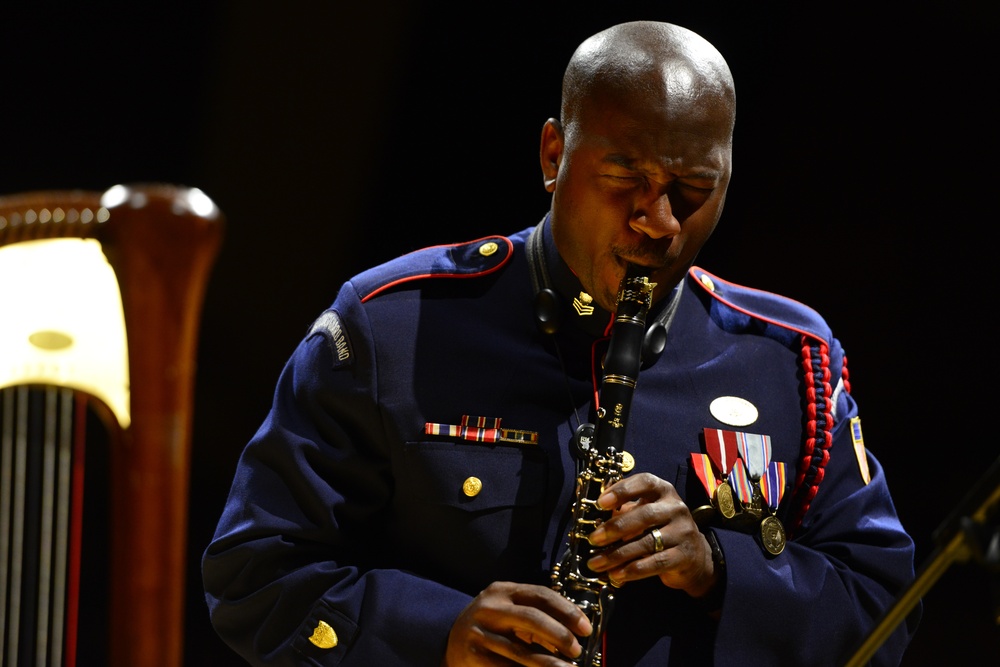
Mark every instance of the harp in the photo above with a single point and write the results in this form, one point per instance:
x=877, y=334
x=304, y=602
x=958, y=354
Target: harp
x=93, y=536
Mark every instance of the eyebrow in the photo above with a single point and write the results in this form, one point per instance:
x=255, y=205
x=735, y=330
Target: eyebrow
x=620, y=160
x=626, y=162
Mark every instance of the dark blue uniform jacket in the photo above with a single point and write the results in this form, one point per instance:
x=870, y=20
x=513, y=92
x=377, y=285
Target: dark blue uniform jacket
x=349, y=515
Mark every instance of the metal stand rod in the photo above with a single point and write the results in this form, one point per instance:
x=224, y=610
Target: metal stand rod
x=958, y=548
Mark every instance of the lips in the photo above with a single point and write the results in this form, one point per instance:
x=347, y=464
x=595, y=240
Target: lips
x=654, y=255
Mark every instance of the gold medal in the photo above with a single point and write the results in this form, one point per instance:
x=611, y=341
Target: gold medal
x=724, y=500
x=772, y=535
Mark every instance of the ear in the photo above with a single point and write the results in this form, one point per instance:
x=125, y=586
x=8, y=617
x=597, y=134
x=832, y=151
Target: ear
x=550, y=153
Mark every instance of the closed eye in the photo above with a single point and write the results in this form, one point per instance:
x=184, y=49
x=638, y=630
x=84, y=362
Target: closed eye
x=694, y=188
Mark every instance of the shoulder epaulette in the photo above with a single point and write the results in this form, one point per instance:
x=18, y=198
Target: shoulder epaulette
x=460, y=260
x=765, y=307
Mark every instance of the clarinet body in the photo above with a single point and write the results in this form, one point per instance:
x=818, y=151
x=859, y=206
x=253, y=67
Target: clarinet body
x=601, y=452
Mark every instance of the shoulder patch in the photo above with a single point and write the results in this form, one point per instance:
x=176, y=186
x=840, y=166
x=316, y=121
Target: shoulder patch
x=461, y=260
x=859, y=449
x=329, y=327
x=766, y=307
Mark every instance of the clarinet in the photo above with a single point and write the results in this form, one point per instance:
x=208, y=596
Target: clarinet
x=601, y=449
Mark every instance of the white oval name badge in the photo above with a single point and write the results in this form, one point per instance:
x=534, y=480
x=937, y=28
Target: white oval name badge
x=733, y=411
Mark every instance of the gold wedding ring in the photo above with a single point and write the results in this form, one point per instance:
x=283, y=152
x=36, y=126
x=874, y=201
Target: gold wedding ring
x=657, y=540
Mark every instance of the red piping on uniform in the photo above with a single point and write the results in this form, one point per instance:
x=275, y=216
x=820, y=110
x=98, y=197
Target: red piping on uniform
x=784, y=325
x=419, y=276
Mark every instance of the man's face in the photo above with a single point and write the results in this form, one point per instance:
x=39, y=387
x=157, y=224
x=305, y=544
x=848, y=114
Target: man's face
x=640, y=182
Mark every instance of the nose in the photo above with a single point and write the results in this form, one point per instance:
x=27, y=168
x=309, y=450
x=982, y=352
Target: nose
x=655, y=218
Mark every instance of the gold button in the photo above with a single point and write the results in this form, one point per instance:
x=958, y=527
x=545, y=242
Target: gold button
x=323, y=636
x=628, y=462
x=472, y=486
x=707, y=282
x=488, y=248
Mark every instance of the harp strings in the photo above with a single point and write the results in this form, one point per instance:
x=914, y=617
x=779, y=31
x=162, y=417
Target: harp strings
x=38, y=587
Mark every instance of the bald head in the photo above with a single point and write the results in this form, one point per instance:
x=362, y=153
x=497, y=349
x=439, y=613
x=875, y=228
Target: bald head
x=648, y=62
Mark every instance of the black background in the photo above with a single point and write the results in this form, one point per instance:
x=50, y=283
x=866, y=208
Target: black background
x=333, y=137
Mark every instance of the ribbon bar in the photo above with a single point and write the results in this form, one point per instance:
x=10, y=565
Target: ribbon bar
x=482, y=429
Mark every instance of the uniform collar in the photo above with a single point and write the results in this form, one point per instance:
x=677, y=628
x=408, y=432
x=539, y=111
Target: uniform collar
x=550, y=271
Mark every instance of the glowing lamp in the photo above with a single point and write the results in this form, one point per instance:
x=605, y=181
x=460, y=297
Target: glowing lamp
x=61, y=320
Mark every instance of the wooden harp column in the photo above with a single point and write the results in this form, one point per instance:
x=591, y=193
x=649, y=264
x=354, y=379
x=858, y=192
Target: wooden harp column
x=161, y=242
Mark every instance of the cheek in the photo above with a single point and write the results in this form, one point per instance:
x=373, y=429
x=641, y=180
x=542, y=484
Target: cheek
x=587, y=216
x=684, y=210
x=692, y=205
x=699, y=221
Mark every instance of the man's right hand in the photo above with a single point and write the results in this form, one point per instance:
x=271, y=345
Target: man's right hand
x=524, y=623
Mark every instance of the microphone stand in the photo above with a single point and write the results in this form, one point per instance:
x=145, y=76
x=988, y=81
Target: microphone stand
x=971, y=531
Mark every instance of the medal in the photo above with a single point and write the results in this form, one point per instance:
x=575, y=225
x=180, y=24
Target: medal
x=755, y=450
x=702, y=467
x=703, y=515
x=772, y=535
x=772, y=484
x=724, y=500
x=741, y=484
x=745, y=486
x=722, y=449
